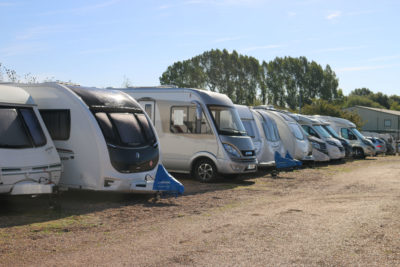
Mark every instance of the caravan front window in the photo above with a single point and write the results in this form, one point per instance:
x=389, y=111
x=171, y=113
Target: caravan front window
x=249, y=128
x=227, y=120
x=20, y=128
x=298, y=133
x=125, y=129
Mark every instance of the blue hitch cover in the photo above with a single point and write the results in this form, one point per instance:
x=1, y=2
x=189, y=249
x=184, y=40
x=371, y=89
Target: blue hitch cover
x=285, y=162
x=298, y=162
x=166, y=183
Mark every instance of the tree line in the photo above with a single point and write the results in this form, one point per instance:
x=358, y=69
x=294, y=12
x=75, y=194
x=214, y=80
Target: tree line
x=286, y=82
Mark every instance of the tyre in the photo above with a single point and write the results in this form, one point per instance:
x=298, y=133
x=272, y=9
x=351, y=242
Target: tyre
x=205, y=171
x=359, y=153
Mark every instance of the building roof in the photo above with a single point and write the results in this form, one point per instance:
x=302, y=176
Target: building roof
x=388, y=111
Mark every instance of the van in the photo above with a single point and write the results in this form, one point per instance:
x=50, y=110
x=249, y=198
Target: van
x=200, y=131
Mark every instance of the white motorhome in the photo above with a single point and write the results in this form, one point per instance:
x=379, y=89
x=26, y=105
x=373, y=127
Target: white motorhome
x=29, y=163
x=104, y=139
x=361, y=147
x=314, y=128
x=200, y=131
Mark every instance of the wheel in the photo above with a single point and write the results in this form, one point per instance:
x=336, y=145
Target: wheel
x=274, y=174
x=205, y=170
x=359, y=153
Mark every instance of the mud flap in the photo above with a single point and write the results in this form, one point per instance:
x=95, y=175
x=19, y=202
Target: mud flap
x=298, y=162
x=166, y=183
x=286, y=162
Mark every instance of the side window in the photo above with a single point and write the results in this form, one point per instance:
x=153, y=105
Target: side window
x=12, y=132
x=58, y=123
x=351, y=135
x=183, y=120
x=344, y=133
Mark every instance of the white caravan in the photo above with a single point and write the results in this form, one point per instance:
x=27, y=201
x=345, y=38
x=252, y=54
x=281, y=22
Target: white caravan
x=292, y=135
x=200, y=131
x=258, y=129
x=346, y=129
x=29, y=163
x=104, y=139
x=314, y=128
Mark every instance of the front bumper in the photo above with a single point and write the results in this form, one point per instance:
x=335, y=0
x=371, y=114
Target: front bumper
x=32, y=188
x=227, y=166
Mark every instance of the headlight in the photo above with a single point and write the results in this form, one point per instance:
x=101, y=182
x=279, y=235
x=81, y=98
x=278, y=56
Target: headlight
x=231, y=150
x=331, y=143
x=316, y=145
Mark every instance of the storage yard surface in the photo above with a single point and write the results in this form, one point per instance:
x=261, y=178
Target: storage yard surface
x=338, y=215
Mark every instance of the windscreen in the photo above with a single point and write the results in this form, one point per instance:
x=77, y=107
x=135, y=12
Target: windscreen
x=330, y=130
x=322, y=132
x=20, y=128
x=249, y=128
x=298, y=133
x=125, y=129
x=227, y=120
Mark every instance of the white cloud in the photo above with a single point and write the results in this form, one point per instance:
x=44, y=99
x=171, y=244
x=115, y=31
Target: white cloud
x=334, y=15
x=225, y=2
x=339, y=49
x=22, y=49
x=362, y=68
x=384, y=58
x=6, y=4
x=227, y=39
x=291, y=14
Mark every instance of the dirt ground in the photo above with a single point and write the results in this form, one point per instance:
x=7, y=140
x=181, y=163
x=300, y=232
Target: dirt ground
x=331, y=215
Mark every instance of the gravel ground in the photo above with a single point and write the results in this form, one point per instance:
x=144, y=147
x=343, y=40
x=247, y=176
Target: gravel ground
x=331, y=215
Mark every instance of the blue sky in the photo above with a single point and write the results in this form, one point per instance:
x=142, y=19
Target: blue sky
x=99, y=42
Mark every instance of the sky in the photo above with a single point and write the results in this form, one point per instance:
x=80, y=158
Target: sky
x=106, y=42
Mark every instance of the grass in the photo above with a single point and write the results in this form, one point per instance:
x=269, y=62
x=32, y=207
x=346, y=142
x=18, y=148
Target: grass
x=63, y=225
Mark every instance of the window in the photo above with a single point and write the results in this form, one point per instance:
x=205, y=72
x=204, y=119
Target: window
x=149, y=109
x=34, y=127
x=227, y=120
x=310, y=131
x=12, y=132
x=347, y=134
x=58, y=123
x=296, y=131
x=387, y=123
x=125, y=129
x=183, y=120
x=249, y=128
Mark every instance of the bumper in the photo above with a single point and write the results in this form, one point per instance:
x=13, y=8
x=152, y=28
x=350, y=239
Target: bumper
x=368, y=151
x=308, y=158
x=266, y=164
x=335, y=153
x=32, y=188
x=320, y=156
x=236, y=167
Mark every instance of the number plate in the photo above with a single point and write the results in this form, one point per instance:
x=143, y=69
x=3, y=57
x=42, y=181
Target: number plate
x=251, y=166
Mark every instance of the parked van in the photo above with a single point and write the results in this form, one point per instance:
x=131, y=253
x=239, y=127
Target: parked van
x=105, y=140
x=29, y=163
x=200, y=131
x=314, y=128
x=327, y=126
x=360, y=145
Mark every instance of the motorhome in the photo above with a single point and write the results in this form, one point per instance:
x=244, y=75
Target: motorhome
x=29, y=163
x=105, y=140
x=327, y=126
x=314, y=128
x=361, y=147
x=200, y=131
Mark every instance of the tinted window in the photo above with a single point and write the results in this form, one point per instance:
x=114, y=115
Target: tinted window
x=106, y=127
x=34, y=127
x=310, y=131
x=128, y=128
x=227, y=120
x=271, y=131
x=12, y=131
x=146, y=127
x=249, y=128
x=58, y=123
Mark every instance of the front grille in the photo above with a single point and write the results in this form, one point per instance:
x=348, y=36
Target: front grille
x=341, y=149
x=323, y=146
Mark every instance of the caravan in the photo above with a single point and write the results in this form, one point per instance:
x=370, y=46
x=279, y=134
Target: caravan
x=259, y=129
x=200, y=131
x=29, y=162
x=104, y=139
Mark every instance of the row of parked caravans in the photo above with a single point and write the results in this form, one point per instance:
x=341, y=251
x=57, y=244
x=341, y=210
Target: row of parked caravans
x=104, y=139
x=107, y=141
